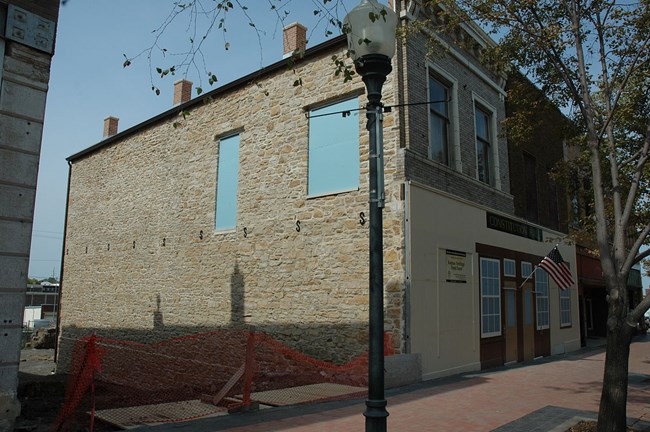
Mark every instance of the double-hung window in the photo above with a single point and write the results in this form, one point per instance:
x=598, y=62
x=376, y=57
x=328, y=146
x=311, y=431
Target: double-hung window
x=334, y=148
x=565, y=307
x=439, y=123
x=490, y=298
x=227, y=176
x=483, y=120
x=530, y=183
x=542, y=302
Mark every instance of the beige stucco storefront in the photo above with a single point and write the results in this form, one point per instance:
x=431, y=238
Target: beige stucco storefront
x=447, y=240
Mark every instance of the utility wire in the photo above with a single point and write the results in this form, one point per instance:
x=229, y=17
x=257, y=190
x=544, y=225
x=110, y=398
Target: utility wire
x=386, y=108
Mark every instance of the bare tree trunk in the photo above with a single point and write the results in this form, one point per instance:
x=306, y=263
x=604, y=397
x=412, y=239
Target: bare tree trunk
x=612, y=415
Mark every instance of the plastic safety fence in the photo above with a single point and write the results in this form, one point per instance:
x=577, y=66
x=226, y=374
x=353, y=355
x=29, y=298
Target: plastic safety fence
x=124, y=383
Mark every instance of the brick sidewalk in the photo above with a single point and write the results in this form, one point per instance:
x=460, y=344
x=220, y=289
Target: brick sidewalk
x=471, y=402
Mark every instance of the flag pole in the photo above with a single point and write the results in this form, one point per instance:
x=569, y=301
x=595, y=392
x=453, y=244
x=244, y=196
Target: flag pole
x=534, y=270
x=529, y=276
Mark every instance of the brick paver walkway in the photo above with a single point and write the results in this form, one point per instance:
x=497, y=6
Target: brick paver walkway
x=472, y=402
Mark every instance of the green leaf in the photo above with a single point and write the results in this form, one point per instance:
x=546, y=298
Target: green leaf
x=199, y=90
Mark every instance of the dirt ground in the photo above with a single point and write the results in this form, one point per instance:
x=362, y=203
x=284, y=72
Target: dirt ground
x=40, y=391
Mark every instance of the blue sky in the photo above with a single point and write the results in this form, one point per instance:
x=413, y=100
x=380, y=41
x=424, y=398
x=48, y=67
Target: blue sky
x=88, y=83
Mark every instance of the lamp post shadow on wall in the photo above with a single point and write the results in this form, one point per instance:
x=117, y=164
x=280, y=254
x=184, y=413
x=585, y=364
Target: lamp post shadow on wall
x=370, y=29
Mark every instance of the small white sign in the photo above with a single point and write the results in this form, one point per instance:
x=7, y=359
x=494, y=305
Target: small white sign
x=456, y=264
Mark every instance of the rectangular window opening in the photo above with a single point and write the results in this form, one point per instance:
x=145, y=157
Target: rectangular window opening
x=483, y=121
x=490, y=298
x=509, y=267
x=439, y=122
x=334, y=164
x=530, y=182
x=227, y=178
x=542, y=300
x=565, y=308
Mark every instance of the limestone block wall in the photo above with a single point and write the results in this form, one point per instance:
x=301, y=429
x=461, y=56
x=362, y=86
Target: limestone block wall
x=143, y=260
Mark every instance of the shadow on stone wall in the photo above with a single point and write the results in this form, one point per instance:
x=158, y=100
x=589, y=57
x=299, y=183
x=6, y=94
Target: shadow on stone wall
x=237, y=296
x=336, y=343
x=158, y=323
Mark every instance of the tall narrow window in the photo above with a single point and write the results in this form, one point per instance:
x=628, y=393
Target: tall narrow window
x=439, y=124
x=334, y=148
x=483, y=145
x=565, y=308
x=227, y=174
x=553, y=207
x=530, y=182
x=490, y=298
x=541, y=293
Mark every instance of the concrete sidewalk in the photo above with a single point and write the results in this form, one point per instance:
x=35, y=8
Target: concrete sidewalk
x=546, y=395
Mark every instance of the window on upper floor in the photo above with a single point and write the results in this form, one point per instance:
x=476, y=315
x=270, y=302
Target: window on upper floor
x=334, y=164
x=530, y=183
x=439, y=121
x=553, y=203
x=526, y=269
x=227, y=177
x=484, y=143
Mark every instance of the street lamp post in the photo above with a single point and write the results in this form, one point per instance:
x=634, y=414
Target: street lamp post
x=370, y=29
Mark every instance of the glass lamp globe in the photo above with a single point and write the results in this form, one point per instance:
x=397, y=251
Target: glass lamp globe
x=370, y=29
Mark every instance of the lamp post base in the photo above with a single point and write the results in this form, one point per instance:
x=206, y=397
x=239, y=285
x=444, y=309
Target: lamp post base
x=376, y=415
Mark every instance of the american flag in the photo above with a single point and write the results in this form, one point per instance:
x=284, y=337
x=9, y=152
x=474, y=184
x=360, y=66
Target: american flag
x=557, y=269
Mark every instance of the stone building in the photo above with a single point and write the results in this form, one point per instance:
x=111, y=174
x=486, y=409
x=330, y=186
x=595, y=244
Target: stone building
x=253, y=209
x=27, y=31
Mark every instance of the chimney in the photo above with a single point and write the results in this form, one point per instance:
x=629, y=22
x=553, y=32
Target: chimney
x=182, y=91
x=295, y=39
x=110, y=126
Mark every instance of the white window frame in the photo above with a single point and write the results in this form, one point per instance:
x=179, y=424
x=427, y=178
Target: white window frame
x=497, y=264
x=514, y=267
x=479, y=102
x=525, y=273
x=565, y=308
x=455, y=160
x=541, y=298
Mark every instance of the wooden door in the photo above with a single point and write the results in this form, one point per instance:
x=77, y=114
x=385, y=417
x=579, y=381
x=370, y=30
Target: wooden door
x=528, y=322
x=511, y=331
